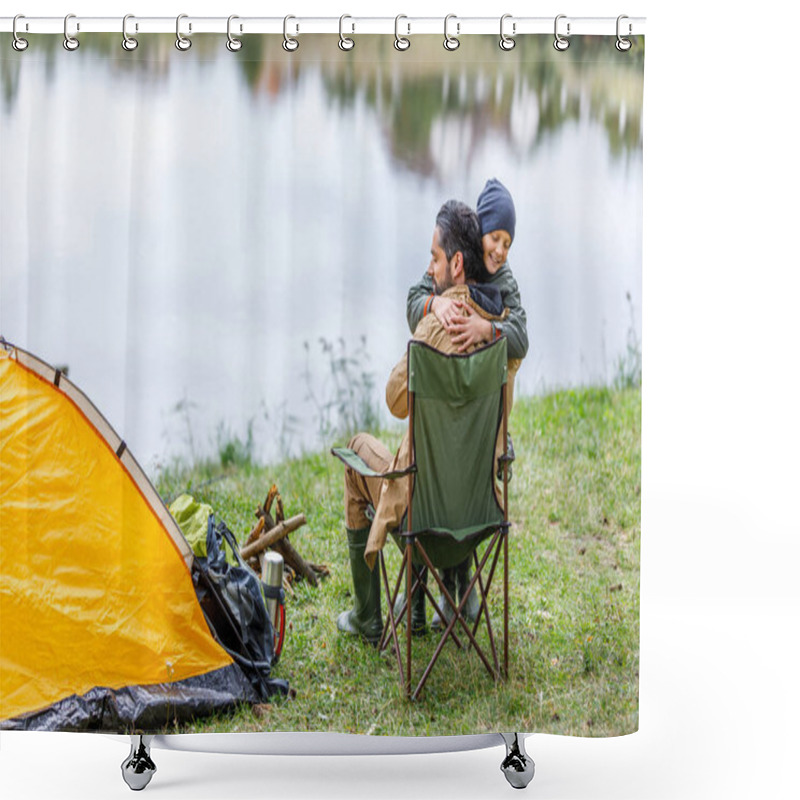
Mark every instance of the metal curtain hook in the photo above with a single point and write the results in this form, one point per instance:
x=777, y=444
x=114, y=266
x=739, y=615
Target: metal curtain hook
x=233, y=44
x=290, y=43
x=560, y=42
x=345, y=43
x=622, y=44
x=18, y=43
x=507, y=42
x=400, y=42
x=70, y=42
x=128, y=42
x=181, y=42
x=451, y=42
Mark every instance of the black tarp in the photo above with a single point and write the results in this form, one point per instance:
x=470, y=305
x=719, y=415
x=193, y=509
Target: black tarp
x=143, y=709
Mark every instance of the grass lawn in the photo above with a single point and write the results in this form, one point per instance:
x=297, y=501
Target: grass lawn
x=574, y=588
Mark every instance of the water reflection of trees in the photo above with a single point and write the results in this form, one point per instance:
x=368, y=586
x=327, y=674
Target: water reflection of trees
x=435, y=107
x=447, y=101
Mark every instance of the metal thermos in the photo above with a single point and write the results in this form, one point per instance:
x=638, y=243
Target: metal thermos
x=272, y=576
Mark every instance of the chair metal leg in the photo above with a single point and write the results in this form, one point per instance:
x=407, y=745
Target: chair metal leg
x=517, y=766
x=489, y=580
x=476, y=578
x=457, y=618
x=138, y=768
x=505, y=597
x=409, y=568
x=391, y=622
x=391, y=600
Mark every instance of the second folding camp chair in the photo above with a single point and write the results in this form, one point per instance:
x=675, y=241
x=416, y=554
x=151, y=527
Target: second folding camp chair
x=457, y=416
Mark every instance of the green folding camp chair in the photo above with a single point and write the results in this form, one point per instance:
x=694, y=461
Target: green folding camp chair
x=456, y=411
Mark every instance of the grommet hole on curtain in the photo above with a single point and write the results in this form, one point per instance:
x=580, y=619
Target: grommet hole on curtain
x=507, y=42
x=451, y=42
x=345, y=42
x=401, y=43
x=290, y=43
x=622, y=44
x=233, y=44
x=129, y=43
x=181, y=42
x=561, y=43
x=70, y=42
x=17, y=42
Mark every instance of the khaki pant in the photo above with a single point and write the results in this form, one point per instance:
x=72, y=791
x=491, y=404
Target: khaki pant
x=359, y=491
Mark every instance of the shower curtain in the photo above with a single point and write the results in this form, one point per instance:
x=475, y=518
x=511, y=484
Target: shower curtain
x=208, y=269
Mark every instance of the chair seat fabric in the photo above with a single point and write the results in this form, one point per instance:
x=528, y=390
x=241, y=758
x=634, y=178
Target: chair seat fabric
x=354, y=461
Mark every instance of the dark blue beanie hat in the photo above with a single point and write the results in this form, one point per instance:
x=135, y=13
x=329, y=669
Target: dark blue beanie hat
x=496, y=208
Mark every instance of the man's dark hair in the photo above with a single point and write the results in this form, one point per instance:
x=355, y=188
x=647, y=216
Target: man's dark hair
x=460, y=229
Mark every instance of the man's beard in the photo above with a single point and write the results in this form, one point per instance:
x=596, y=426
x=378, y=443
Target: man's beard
x=448, y=282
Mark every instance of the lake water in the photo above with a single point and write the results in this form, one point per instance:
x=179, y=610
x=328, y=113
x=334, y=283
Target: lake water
x=190, y=232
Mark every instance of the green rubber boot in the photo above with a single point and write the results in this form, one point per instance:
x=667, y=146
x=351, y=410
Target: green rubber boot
x=364, y=619
x=463, y=577
x=449, y=580
x=457, y=580
x=419, y=623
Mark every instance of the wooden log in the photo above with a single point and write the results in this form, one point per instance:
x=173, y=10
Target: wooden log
x=273, y=535
x=271, y=495
x=296, y=561
x=265, y=520
x=258, y=529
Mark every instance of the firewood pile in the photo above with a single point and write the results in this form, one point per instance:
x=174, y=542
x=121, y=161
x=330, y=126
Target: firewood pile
x=272, y=532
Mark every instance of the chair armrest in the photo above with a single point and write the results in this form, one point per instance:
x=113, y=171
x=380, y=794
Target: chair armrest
x=351, y=459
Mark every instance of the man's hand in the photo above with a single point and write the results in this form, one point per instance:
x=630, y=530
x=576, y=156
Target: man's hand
x=469, y=330
x=446, y=310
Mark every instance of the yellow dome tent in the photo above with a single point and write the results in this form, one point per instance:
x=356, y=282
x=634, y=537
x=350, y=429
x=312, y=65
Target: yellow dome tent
x=100, y=625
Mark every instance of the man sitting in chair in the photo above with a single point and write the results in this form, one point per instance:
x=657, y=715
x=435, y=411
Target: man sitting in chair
x=458, y=270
